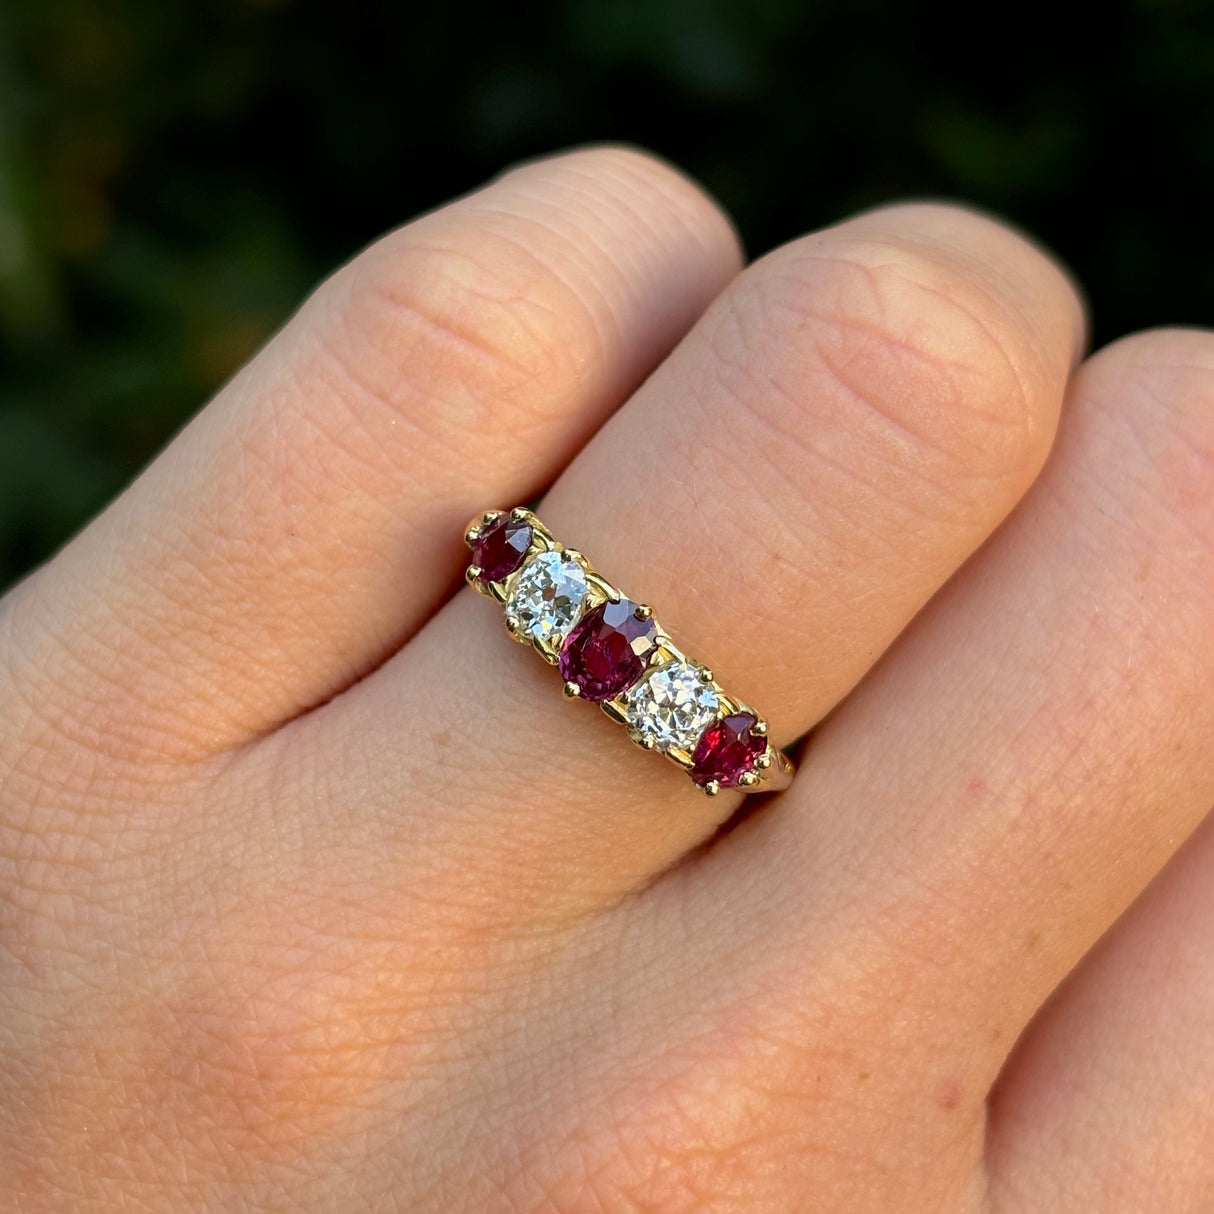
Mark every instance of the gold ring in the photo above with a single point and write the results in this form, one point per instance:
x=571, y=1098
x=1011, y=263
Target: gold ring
x=613, y=652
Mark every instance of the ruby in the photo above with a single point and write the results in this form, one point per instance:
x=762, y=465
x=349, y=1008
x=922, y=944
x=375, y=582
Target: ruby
x=500, y=548
x=727, y=750
x=608, y=650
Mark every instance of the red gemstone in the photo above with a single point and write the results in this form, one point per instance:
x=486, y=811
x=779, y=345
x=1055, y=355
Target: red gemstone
x=608, y=650
x=727, y=750
x=500, y=548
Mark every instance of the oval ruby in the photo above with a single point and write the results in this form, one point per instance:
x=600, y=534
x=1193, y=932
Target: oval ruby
x=727, y=750
x=500, y=548
x=608, y=650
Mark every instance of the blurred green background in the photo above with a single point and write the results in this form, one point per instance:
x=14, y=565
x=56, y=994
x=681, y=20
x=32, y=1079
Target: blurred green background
x=174, y=174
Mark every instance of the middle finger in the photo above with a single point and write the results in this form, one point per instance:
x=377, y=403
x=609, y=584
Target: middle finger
x=839, y=432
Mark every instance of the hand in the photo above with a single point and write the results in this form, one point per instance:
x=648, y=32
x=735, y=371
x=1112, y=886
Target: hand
x=318, y=896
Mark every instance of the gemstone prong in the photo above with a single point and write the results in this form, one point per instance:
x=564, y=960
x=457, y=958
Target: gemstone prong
x=644, y=612
x=543, y=649
x=472, y=535
x=748, y=779
x=760, y=728
x=572, y=690
x=711, y=788
x=518, y=514
x=609, y=593
x=705, y=675
x=763, y=762
x=472, y=575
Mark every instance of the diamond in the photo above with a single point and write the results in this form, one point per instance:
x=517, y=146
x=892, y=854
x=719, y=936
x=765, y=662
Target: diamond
x=500, y=547
x=672, y=705
x=727, y=750
x=607, y=651
x=547, y=598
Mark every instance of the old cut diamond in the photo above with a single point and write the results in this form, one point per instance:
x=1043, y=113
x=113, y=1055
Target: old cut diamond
x=547, y=599
x=672, y=705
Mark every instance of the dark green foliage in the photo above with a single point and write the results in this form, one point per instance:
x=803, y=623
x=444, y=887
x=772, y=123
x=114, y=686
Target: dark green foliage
x=175, y=173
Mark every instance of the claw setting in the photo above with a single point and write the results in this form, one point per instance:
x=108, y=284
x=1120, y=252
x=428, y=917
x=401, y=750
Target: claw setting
x=612, y=651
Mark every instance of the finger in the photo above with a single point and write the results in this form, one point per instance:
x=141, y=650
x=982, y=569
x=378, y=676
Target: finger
x=299, y=530
x=987, y=803
x=1107, y=1103
x=836, y=435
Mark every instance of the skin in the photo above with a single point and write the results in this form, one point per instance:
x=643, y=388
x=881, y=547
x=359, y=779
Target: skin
x=316, y=894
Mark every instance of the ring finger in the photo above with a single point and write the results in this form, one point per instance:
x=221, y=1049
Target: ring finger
x=847, y=423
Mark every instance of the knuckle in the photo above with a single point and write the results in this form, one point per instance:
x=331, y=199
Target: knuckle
x=649, y=186
x=1136, y=488
x=1173, y=373
x=931, y=351
x=623, y=166
x=622, y=182
x=935, y=370
x=1157, y=388
x=493, y=312
x=453, y=325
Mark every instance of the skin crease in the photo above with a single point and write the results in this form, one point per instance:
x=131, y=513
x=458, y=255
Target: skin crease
x=316, y=895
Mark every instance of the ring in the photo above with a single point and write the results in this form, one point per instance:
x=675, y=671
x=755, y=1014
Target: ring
x=612, y=652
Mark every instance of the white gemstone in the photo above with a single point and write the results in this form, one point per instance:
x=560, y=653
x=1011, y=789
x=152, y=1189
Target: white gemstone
x=673, y=705
x=547, y=598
